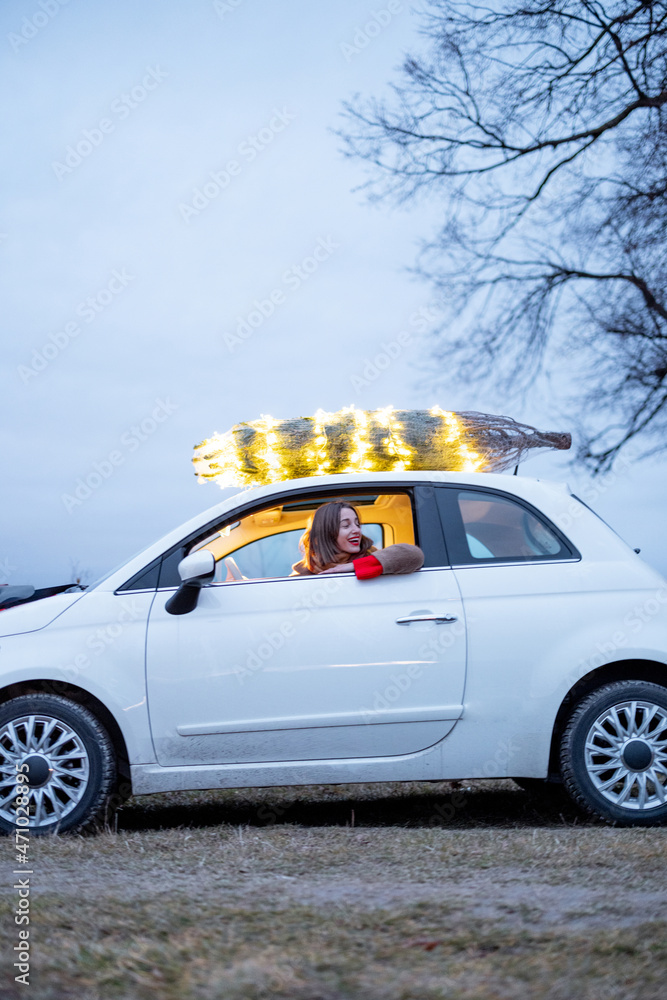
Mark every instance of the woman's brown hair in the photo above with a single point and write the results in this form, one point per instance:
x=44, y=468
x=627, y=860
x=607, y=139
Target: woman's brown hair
x=319, y=541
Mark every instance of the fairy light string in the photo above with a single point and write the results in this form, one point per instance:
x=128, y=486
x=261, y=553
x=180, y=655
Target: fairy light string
x=349, y=440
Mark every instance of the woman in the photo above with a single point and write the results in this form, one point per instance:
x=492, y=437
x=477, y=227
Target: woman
x=333, y=543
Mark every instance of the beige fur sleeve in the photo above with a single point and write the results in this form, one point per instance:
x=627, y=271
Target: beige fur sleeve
x=400, y=558
x=300, y=569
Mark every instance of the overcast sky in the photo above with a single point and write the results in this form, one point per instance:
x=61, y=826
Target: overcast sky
x=170, y=170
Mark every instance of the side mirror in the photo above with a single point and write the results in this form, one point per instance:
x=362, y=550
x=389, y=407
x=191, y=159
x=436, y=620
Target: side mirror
x=195, y=570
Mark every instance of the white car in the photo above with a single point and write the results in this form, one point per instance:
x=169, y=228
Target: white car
x=532, y=644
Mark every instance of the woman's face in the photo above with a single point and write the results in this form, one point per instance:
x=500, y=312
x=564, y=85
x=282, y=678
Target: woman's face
x=349, y=532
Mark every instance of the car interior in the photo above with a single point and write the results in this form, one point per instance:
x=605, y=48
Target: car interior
x=497, y=528
x=265, y=543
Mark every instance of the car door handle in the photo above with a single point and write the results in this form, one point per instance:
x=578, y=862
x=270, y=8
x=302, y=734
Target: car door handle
x=439, y=619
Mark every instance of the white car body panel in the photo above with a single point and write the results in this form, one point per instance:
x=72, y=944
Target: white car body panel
x=328, y=673
x=36, y=614
x=533, y=632
x=534, y=629
x=97, y=646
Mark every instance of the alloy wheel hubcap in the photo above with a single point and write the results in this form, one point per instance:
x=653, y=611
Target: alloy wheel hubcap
x=626, y=755
x=39, y=771
x=55, y=761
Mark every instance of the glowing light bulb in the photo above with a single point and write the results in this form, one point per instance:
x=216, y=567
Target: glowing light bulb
x=270, y=450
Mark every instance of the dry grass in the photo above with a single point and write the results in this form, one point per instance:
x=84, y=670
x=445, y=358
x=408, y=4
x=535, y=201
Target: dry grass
x=332, y=893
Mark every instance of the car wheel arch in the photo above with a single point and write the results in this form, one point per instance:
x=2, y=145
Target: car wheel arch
x=621, y=670
x=613, y=753
x=84, y=698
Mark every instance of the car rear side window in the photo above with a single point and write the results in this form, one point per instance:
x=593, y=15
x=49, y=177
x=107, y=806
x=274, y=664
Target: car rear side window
x=486, y=528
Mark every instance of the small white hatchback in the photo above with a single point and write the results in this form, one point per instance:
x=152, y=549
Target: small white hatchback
x=532, y=644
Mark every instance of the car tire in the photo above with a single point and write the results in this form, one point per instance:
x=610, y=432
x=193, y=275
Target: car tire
x=68, y=758
x=614, y=753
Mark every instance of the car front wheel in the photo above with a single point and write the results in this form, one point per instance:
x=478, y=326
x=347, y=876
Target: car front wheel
x=614, y=753
x=57, y=766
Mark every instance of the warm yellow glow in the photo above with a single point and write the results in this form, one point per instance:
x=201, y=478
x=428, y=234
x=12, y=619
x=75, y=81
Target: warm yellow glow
x=349, y=440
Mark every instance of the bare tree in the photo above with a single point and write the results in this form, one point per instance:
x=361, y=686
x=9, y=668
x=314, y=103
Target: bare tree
x=538, y=132
x=77, y=574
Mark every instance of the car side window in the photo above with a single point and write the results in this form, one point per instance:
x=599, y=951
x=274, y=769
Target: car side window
x=272, y=556
x=264, y=544
x=486, y=528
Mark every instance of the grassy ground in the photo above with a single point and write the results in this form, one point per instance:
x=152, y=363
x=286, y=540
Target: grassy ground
x=335, y=892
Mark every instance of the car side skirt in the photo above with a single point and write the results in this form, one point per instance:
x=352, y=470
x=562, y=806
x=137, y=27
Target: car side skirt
x=449, y=759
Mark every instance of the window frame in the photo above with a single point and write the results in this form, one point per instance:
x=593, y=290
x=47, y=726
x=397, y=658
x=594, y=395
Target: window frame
x=239, y=559
x=454, y=529
x=425, y=518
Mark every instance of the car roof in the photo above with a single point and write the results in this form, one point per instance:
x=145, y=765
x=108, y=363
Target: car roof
x=533, y=490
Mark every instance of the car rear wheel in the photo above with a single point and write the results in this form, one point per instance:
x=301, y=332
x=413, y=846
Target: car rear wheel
x=614, y=753
x=57, y=766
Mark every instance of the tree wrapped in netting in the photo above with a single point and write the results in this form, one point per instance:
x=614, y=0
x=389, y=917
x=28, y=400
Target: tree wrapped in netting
x=268, y=450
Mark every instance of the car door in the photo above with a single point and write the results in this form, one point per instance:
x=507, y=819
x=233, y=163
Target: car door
x=311, y=668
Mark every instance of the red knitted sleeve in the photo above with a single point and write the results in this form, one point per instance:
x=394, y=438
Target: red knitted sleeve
x=367, y=567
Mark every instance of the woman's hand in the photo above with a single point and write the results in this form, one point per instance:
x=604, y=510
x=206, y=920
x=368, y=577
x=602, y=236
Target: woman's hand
x=340, y=568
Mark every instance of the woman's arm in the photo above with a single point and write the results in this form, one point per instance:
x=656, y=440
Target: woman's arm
x=340, y=568
x=395, y=559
